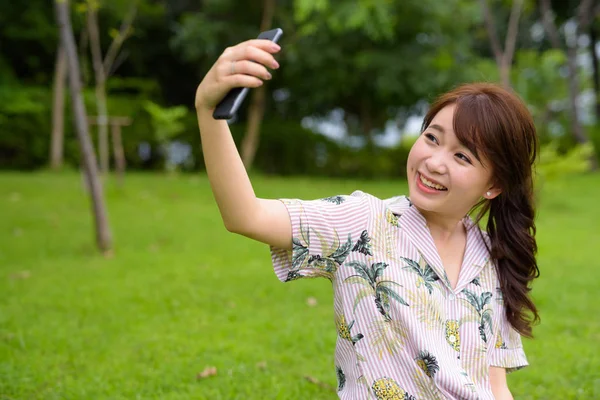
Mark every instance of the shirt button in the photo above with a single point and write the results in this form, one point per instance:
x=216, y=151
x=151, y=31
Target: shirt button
x=452, y=296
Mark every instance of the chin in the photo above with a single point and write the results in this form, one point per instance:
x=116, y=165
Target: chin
x=421, y=202
x=424, y=204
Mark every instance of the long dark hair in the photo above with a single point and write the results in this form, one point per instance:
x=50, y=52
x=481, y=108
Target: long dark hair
x=493, y=121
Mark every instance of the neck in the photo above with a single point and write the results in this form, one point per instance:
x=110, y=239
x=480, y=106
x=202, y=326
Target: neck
x=443, y=227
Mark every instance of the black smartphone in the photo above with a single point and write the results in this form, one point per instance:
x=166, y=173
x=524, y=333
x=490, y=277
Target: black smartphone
x=231, y=103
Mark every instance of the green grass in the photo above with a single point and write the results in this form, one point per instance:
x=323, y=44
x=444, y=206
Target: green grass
x=182, y=294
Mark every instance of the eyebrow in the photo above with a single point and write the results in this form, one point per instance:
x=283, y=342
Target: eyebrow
x=437, y=128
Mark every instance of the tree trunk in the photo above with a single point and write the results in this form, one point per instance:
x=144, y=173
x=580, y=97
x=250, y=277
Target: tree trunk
x=504, y=56
x=103, y=236
x=595, y=72
x=576, y=127
x=118, y=152
x=82, y=49
x=256, y=109
x=251, y=140
x=511, y=37
x=548, y=21
x=58, y=110
x=115, y=46
x=100, y=78
x=366, y=125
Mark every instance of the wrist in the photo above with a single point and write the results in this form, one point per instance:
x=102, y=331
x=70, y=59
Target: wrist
x=202, y=108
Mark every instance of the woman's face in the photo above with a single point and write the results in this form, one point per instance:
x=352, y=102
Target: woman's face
x=443, y=175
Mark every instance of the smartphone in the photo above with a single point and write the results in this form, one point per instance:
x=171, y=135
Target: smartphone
x=231, y=103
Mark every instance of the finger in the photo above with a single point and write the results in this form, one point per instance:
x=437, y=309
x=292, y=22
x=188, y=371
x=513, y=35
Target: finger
x=240, y=80
x=251, y=53
x=264, y=44
x=245, y=67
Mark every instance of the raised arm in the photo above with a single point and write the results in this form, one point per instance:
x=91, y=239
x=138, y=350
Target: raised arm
x=242, y=212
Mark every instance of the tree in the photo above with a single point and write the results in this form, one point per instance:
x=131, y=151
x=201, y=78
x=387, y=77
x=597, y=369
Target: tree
x=595, y=67
x=583, y=19
x=58, y=110
x=102, y=70
x=376, y=61
x=372, y=60
x=502, y=56
x=256, y=110
x=67, y=39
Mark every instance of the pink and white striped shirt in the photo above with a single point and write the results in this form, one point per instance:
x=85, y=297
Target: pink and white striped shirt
x=403, y=332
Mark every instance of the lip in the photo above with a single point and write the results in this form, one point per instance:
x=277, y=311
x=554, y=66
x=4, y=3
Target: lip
x=426, y=189
x=431, y=179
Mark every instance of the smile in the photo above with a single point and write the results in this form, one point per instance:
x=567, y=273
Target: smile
x=430, y=184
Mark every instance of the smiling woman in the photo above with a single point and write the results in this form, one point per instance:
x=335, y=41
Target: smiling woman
x=426, y=305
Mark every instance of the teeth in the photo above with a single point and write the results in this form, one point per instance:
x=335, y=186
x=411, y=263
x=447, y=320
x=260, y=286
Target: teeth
x=431, y=184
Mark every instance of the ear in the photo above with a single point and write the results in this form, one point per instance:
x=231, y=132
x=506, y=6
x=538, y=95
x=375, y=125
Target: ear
x=492, y=192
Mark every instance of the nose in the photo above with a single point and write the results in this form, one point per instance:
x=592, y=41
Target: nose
x=436, y=163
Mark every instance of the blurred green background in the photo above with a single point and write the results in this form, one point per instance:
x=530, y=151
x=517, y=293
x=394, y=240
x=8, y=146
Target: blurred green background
x=176, y=307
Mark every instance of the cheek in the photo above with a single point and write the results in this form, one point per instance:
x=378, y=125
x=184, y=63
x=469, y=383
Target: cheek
x=416, y=152
x=470, y=181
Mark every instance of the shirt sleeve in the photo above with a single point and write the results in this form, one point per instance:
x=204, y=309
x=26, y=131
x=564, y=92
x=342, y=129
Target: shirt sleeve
x=324, y=232
x=508, y=350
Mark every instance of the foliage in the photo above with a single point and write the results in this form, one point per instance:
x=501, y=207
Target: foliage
x=375, y=17
x=380, y=62
x=166, y=121
x=23, y=115
x=373, y=58
x=538, y=77
x=555, y=165
x=286, y=147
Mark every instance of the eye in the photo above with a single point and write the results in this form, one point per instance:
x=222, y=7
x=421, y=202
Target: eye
x=431, y=138
x=463, y=157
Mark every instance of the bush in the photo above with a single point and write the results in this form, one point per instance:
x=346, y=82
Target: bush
x=554, y=164
x=286, y=148
x=24, y=123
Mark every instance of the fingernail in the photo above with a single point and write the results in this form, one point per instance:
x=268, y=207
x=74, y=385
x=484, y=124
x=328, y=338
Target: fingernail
x=275, y=64
x=269, y=76
x=276, y=46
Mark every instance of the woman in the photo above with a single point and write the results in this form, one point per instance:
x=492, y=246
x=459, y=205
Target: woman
x=427, y=305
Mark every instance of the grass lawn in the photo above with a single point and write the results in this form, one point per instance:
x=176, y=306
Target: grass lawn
x=182, y=294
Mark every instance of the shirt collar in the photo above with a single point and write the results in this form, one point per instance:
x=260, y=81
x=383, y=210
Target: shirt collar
x=415, y=226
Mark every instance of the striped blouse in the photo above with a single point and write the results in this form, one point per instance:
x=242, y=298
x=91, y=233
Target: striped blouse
x=403, y=332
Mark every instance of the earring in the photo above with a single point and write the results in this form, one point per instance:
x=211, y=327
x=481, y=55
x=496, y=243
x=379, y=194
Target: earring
x=488, y=194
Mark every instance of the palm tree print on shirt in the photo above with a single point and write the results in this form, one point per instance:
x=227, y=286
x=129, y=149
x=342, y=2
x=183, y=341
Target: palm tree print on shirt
x=373, y=284
x=344, y=329
x=363, y=246
x=387, y=336
x=500, y=344
x=426, y=276
x=428, y=309
x=341, y=378
x=478, y=303
x=335, y=199
x=325, y=264
x=392, y=218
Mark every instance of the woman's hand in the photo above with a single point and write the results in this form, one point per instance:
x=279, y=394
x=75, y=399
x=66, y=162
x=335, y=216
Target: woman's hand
x=243, y=65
